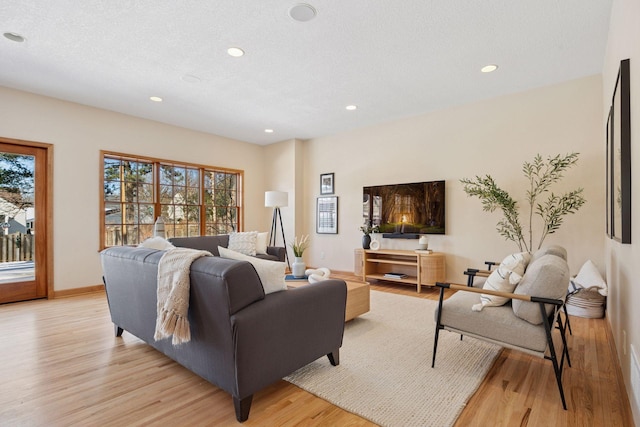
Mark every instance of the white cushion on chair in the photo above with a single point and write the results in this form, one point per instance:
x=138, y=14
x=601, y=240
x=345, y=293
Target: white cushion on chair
x=516, y=262
x=503, y=279
x=546, y=277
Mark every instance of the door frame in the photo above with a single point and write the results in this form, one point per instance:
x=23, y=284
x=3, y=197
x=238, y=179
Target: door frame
x=44, y=248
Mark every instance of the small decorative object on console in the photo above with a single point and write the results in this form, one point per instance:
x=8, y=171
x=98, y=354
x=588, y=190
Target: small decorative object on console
x=318, y=274
x=375, y=244
x=423, y=243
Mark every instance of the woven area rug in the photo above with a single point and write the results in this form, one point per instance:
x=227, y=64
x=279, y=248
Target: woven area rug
x=385, y=372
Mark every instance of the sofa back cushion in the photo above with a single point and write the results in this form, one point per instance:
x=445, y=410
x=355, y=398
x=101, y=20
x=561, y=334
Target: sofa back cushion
x=546, y=277
x=204, y=243
x=243, y=242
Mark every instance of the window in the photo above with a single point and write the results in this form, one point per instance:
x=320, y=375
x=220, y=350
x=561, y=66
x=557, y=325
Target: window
x=193, y=200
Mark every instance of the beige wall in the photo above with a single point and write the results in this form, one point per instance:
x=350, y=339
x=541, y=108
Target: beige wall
x=78, y=133
x=285, y=173
x=495, y=137
x=623, y=269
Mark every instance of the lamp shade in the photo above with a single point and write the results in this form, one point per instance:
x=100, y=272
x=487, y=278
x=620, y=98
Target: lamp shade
x=276, y=199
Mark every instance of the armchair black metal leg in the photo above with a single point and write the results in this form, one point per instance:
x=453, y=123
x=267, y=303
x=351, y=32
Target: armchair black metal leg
x=552, y=351
x=438, y=327
x=435, y=346
x=118, y=330
x=565, y=348
x=566, y=322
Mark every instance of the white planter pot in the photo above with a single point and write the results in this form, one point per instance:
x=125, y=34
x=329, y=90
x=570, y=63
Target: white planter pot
x=298, y=267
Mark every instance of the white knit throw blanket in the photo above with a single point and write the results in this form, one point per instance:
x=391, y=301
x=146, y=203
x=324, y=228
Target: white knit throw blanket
x=173, y=294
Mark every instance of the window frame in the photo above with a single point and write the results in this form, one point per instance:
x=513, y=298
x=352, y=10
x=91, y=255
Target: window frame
x=156, y=183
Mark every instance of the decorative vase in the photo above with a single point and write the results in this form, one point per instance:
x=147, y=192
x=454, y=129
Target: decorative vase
x=366, y=241
x=423, y=243
x=298, y=267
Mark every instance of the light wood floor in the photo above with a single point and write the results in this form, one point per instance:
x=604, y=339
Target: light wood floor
x=61, y=365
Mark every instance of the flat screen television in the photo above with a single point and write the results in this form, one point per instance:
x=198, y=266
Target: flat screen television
x=405, y=210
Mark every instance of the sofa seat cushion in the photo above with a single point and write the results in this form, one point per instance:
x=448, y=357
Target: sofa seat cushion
x=497, y=324
x=546, y=277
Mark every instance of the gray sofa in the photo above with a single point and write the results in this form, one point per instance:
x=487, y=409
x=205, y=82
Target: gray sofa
x=241, y=339
x=211, y=243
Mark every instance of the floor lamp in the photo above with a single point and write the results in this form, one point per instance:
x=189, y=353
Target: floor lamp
x=277, y=200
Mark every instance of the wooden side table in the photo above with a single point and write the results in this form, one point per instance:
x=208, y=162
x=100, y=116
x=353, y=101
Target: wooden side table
x=358, y=301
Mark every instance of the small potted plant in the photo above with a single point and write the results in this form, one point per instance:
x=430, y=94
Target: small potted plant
x=299, y=246
x=367, y=229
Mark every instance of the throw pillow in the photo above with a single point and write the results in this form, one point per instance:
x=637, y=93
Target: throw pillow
x=589, y=277
x=261, y=242
x=271, y=273
x=244, y=242
x=501, y=279
x=516, y=262
x=547, y=277
x=157, y=243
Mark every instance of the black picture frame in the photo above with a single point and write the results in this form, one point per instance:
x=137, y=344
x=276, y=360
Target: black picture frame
x=327, y=183
x=620, y=156
x=608, y=152
x=327, y=215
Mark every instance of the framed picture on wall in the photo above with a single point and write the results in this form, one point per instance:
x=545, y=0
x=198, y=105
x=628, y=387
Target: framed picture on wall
x=620, y=166
x=608, y=175
x=327, y=215
x=326, y=183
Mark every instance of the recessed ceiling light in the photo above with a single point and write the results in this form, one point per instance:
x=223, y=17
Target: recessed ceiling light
x=351, y=107
x=489, y=68
x=155, y=98
x=302, y=12
x=268, y=130
x=236, y=52
x=14, y=37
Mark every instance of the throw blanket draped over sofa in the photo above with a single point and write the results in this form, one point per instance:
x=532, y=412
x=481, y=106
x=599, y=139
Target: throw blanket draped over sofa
x=173, y=294
x=241, y=339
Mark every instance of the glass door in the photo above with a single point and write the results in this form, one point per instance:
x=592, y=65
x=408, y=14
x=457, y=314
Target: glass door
x=22, y=223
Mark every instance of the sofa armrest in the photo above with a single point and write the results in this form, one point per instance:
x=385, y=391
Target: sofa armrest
x=277, y=251
x=285, y=331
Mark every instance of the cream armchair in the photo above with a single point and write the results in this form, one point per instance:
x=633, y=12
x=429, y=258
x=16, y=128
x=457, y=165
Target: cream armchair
x=526, y=323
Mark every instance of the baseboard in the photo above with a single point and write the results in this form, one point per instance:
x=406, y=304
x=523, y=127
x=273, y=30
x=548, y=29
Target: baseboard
x=618, y=369
x=78, y=291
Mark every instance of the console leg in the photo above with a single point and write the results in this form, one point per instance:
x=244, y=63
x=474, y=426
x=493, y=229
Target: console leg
x=242, y=407
x=118, y=330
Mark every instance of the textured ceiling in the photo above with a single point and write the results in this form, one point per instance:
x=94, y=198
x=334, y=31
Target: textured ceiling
x=391, y=58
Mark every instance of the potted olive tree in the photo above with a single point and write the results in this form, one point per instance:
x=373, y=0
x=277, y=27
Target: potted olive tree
x=541, y=174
